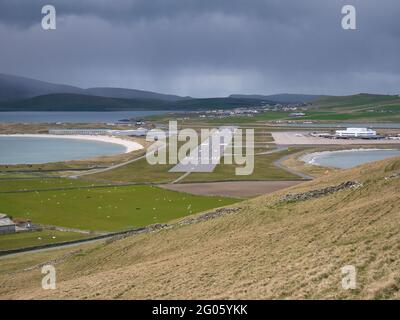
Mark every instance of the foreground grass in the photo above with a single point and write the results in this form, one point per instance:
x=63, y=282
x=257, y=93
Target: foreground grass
x=36, y=238
x=106, y=209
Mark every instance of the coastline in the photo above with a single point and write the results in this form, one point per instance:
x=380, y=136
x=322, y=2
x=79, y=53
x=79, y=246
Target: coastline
x=129, y=145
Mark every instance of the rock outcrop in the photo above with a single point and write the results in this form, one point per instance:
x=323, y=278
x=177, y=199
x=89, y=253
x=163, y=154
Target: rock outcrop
x=313, y=194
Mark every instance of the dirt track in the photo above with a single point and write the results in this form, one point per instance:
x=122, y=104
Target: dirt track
x=240, y=189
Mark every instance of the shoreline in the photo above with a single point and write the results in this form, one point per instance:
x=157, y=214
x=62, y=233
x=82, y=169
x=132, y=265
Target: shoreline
x=129, y=145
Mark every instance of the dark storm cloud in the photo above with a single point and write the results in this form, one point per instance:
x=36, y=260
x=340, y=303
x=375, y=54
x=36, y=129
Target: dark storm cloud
x=204, y=48
x=25, y=13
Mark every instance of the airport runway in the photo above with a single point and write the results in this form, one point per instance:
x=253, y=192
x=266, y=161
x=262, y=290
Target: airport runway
x=208, y=154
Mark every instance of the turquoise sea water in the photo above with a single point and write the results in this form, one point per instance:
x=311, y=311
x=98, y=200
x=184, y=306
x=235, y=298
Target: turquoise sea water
x=349, y=158
x=23, y=150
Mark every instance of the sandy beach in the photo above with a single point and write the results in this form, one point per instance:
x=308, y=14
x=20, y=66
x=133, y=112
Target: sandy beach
x=129, y=145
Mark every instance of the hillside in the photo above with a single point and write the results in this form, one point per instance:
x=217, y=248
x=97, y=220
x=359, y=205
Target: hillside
x=83, y=102
x=132, y=94
x=356, y=102
x=269, y=248
x=14, y=88
x=221, y=103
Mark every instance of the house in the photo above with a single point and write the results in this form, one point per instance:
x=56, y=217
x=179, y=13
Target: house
x=24, y=224
x=6, y=224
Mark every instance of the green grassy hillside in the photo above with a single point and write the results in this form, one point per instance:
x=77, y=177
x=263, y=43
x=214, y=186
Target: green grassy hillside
x=358, y=101
x=270, y=248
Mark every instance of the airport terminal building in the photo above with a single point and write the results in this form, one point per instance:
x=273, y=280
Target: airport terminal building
x=356, y=133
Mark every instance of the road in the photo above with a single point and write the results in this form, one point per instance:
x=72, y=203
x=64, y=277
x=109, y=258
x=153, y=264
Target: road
x=279, y=163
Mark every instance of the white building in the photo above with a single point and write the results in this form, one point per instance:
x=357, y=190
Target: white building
x=356, y=133
x=6, y=224
x=297, y=114
x=99, y=132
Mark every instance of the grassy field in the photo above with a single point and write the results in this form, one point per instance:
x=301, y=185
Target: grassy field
x=106, y=209
x=9, y=176
x=53, y=166
x=41, y=184
x=36, y=238
x=139, y=171
x=264, y=169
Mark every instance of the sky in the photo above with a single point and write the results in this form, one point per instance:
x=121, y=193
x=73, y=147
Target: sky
x=206, y=48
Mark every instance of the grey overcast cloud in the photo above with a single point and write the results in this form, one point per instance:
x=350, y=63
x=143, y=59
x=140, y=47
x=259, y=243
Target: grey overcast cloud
x=206, y=48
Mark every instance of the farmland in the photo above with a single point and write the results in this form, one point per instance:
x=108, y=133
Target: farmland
x=7, y=185
x=106, y=209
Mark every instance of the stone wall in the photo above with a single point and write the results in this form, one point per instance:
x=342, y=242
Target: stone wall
x=313, y=194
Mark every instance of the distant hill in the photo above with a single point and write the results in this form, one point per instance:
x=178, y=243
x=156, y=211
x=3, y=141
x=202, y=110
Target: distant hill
x=80, y=102
x=281, y=98
x=132, y=94
x=25, y=94
x=220, y=103
x=83, y=102
x=17, y=88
